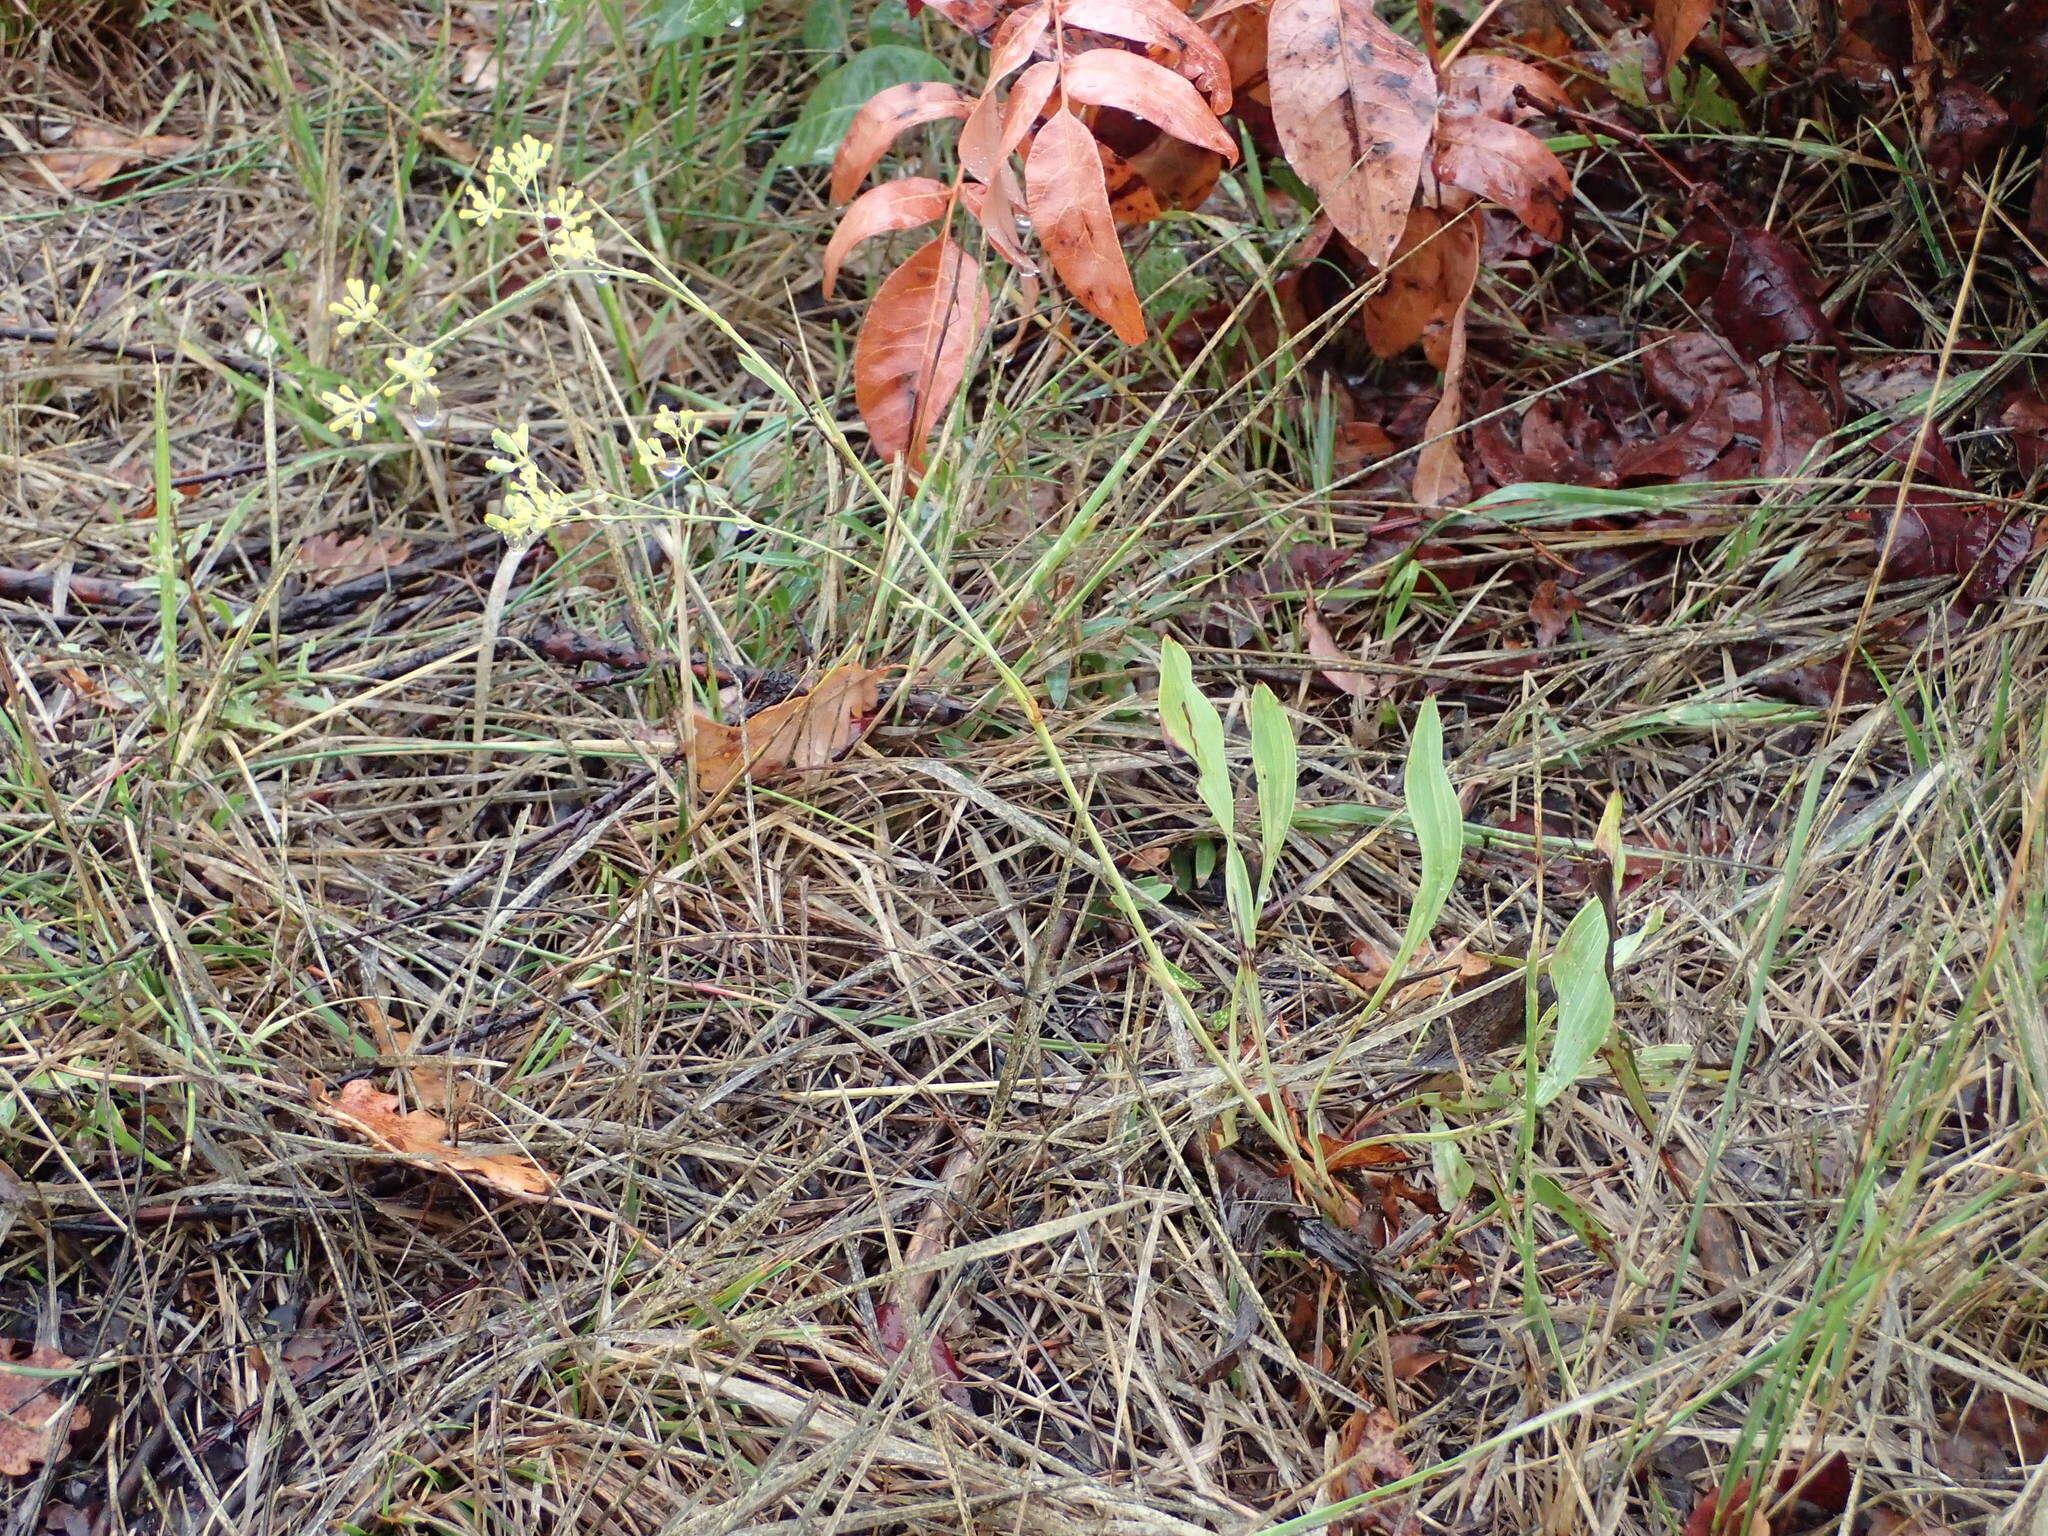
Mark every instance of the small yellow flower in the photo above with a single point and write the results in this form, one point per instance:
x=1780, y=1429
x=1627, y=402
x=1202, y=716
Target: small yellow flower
x=576, y=243
x=520, y=166
x=651, y=453
x=352, y=410
x=531, y=507
x=414, y=369
x=680, y=425
x=516, y=448
x=357, y=307
x=486, y=203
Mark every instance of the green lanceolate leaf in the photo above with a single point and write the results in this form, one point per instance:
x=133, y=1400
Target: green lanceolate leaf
x=1277, y=767
x=1585, y=1002
x=1192, y=724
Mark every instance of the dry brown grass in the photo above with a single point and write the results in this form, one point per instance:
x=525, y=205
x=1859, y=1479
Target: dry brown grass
x=874, y=1052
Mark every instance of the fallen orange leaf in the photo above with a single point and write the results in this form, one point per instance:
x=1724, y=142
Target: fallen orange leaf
x=423, y=1135
x=804, y=732
x=30, y=1430
x=93, y=156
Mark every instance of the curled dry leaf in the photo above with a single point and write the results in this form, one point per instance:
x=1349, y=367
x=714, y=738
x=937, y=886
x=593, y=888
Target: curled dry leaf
x=1439, y=467
x=91, y=156
x=1368, y=1455
x=32, y=1427
x=1064, y=188
x=2025, y=418
x=1323, y=645
x=806, y=732
x=878, y=124
x=894, y=205
x=1355, y=107
x=1109, y=77
x=423, y=1135
x=915, y=344
x=1550, y=610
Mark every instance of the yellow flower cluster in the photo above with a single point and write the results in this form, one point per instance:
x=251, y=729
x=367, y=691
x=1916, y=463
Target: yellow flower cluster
x=512, y=179
x=411, y=370
x=532, y=504
x=663, y=452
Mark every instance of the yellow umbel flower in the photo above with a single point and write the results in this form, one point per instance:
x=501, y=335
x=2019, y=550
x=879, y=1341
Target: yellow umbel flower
x=352, y=410
x=414, y=370
x=357, y=307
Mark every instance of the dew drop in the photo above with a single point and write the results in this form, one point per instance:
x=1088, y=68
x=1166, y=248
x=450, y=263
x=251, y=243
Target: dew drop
x=737, y=22
x=671, y=469
x=426, y=421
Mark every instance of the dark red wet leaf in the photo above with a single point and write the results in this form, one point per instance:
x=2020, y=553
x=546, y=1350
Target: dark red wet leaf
x=1765, y=299
x=1795, y=420
x=1941, y=535
x=1964, y=124
x=1686, y=450
x=2025, y=419
x=1689, y=367
x=1817, y=684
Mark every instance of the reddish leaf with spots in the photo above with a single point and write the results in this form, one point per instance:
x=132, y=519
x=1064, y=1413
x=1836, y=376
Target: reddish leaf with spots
x=1063, y=186
x=914, y=347
x=1355, y=106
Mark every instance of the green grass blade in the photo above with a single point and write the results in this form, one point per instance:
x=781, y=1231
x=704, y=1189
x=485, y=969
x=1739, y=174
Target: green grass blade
x=1585, y=1002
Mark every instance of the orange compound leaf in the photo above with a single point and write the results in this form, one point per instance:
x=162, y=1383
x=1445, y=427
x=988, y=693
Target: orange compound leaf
x=887, y=115
x=915, y=345
x=1109, y=77
x=1159, y=25
x=1064, y=188
x=995, y=207
x=1355, y=107
x=880, y=210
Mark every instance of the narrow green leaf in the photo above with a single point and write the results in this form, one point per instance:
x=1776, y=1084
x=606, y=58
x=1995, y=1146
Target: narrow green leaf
x=1449, y=1166
x=1237, y=891
x=1439, y=823
x=1277, y=766
x=1585, y=1002
x=1192, y=724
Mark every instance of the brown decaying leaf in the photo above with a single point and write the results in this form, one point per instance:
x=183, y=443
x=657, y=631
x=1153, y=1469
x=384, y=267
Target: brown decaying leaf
x=1439, y=467
x=1505, y=165
x=877, y=124
x=1684, y=452
x=1172, y=174
x=30, y=1430
x=894, y=205
x=1109, y=77
x=92, y=156
x=1355, y=106
x=1410, y=1355
x=1674, y=24
x=915, y=344
x=1064, y=189
x=1427, y=281
x=423, y=1135
x=975, y=16
x=327, y=558
x=1889, y=1522
x=1322, y=645
x=1961, y=125
x=2025, y=418
x=1764, y=301
x=806, y=732
x=1550, y=610
x=1368, y=1455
